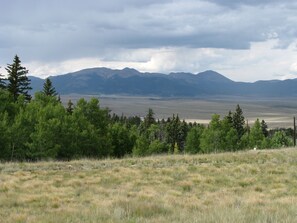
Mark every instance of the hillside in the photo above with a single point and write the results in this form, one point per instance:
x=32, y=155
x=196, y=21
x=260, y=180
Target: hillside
x=252, y=186
x=132, y=82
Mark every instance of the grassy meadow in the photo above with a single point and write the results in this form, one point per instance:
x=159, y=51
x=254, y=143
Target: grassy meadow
x=250, y=186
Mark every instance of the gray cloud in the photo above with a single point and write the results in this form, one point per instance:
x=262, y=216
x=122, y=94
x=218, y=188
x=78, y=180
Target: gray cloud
x=232, y=3
x=62, y=30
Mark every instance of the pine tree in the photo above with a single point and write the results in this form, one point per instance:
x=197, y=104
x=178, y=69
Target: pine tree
x=264, y=128
x=238, y=121
x=173, y=132
x=230, y=118
x=69, y=108
x=18, y=82
x=48, y=88
x=149, y=119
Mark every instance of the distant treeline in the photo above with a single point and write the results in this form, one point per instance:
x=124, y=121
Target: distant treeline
x=42, y=128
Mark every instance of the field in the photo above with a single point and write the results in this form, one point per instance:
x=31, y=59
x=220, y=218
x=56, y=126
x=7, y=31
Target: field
x=251, y=186
x=277, y=112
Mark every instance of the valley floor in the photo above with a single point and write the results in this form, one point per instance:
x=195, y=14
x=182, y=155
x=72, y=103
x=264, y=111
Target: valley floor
x=277, y=112
x=251, y=186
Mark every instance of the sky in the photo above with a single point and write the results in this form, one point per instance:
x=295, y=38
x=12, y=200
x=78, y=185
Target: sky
x=244, y=40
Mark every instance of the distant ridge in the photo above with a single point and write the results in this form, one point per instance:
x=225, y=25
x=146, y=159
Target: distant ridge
x=129, y=81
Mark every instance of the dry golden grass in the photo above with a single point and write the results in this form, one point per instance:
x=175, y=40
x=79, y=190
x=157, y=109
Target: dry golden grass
x=252, y=186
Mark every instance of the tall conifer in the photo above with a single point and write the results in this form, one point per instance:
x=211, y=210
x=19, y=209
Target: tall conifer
x=238, y=121
x=48, y=88
x=18, y=82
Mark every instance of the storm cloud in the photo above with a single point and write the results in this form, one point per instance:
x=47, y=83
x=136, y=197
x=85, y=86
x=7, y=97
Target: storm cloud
x=133, y=31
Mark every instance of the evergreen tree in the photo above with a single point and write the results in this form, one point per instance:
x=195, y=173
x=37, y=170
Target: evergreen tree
x=48, y=88
x=18, y=82
x=229, y=118
x=149, y=119
x=69, y=108
x=174, y=133
x=238, y=121
x=264, y=128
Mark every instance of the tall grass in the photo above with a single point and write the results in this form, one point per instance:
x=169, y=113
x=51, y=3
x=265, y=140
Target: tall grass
x=253, y=186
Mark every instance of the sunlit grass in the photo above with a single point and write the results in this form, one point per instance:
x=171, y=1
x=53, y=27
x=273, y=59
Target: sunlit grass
x=253, y=186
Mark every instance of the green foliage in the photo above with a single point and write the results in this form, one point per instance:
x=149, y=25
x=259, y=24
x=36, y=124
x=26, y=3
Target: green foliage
x=157, y=147
x=221, y=135
x=121, y=140
x=141, y=146
x=45, y=141
x=7, y=104
x=238, y=121
x=69, y=108
x=211, y=139
x=149, y=119
x=43, y=129
x=176, y=132
x=48, y=88
x=256, y=135
x=4, y=136
x=264, y=128
x=193, y=140
x=92, y=124
x=230, y=139
x=18, y=82
x=280, y=139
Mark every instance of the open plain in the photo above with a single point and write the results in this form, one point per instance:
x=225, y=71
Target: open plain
x=277, y=112
x=249, y=186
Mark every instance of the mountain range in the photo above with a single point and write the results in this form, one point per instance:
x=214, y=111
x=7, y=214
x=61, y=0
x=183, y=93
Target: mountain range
x=132, y=82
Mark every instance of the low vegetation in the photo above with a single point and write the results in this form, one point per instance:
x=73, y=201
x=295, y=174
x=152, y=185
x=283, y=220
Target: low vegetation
x=251, y=186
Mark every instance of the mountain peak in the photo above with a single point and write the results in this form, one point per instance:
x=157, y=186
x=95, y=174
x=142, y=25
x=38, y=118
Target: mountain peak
x=129, y=81
x=130, y=69
x=128, y=72
x=213, y=76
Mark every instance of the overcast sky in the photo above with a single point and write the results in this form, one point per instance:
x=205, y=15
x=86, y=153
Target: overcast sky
x=244, y=40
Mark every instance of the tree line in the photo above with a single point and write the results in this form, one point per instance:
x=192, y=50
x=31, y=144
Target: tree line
x=41, y=128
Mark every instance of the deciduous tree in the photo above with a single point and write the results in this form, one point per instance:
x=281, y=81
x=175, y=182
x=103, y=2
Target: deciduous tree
x=256, y=135
x=193, y=140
